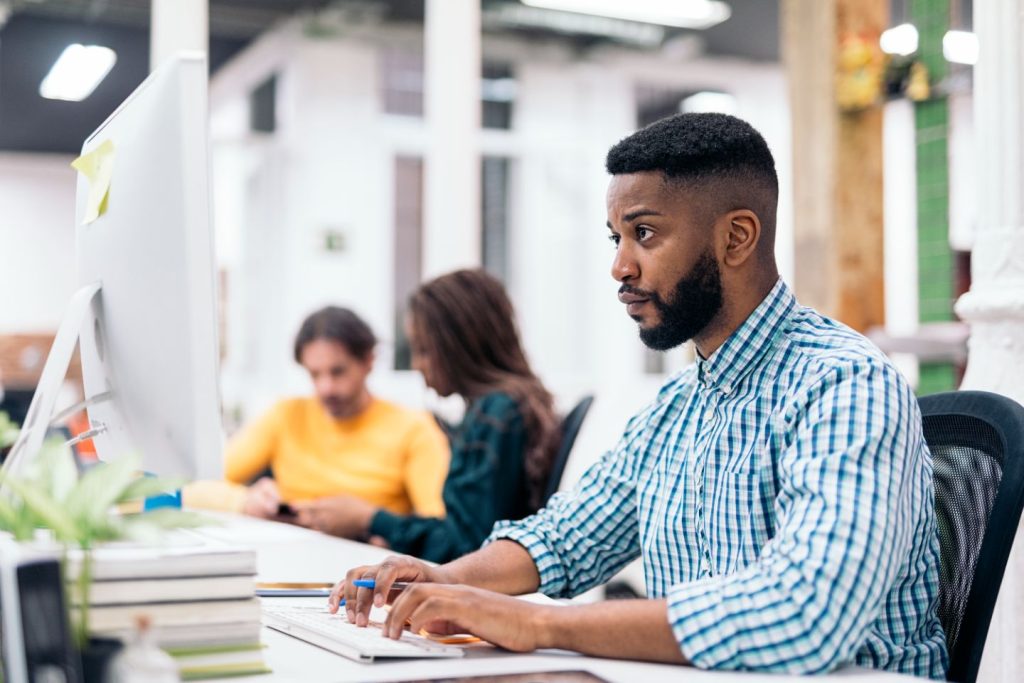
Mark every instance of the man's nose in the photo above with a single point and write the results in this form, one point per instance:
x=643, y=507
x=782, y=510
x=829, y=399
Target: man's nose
x=624, y=266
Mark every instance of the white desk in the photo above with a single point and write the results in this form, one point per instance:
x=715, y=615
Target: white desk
x=289, y=553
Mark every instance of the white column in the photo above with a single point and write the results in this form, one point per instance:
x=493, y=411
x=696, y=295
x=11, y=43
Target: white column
x=178, y=25
x=452, y=104
x=994, y=307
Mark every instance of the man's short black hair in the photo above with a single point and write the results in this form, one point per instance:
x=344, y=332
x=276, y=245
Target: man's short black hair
x=695, y=147
x=724, y=158
x=336, y=324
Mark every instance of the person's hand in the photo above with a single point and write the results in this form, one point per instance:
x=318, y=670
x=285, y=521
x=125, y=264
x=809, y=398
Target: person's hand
x=505, y=621
x=380, y=542
x=396, y=568
x=262, y=499
x=344, y=516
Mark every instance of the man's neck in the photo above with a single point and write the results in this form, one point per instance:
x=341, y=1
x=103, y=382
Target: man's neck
x=357, y=407
x=735, y=311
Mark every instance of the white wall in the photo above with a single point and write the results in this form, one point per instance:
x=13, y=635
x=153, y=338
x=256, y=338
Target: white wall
x=37, y=241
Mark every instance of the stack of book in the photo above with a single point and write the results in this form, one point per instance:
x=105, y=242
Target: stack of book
x=199, y=598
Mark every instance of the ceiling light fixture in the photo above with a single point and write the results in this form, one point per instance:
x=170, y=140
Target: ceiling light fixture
x=960, y=47
x=506, y=16
x=77, y=72
x=695, y=14
x=899, y=40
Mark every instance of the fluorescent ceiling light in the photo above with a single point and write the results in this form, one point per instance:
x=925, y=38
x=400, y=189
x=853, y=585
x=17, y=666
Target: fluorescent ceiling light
x=696, y=14
x=506, y=16
x=708, y=101
x=899, y=40
x=960, y=47
x=77, y=72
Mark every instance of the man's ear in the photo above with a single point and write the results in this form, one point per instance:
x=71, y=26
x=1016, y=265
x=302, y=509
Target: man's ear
x=368, y=362
x=743, y=233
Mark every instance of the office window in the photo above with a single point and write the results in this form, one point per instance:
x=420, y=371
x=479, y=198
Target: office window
x=497, y=94
x=494, y=203
x=402, y=81
x=408, y=247
x=263, y=106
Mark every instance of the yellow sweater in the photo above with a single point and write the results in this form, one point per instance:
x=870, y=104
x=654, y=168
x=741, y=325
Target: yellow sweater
x=387, y=455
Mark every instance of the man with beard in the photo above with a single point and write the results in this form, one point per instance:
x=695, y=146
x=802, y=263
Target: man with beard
x=343, y=441
x=779, y=490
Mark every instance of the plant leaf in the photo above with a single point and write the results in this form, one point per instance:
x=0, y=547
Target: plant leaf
x=100, y=487
x=8, y=516
x=59, y=468
x=108, y=528
x=144, y=487
x=47, y=510
x=170, y=518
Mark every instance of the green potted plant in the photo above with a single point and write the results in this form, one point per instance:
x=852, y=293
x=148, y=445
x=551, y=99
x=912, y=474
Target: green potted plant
x=51, y=500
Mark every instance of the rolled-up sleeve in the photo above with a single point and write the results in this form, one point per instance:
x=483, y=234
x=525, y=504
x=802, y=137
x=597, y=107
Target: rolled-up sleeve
x=585, y=535
x=850, y=487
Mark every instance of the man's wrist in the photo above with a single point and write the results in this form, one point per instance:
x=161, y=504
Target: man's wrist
x=547, y=624
x=365, y=520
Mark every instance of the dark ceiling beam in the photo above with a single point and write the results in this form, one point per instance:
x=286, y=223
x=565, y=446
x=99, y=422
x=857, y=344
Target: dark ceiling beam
x=227, y=19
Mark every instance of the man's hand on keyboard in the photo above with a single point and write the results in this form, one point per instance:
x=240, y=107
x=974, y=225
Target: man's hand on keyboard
x=505, y=621
x=358, y=601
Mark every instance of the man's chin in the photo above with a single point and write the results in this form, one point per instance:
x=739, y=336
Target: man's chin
x=644, y=322
x=657, y=338
x=333, y=409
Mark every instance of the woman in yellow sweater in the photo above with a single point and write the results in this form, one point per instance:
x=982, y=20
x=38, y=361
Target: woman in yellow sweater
x=342, y=440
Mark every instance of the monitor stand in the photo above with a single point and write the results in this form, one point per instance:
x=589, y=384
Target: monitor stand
x=41, y=411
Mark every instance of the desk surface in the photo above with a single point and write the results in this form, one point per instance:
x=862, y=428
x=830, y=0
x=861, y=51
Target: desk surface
x=288, y=553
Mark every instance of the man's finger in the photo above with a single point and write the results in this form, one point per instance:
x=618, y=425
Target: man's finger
x=335, y=597
x=406, y=603
x=386, y=576
x=364, y=599
x=351, y=591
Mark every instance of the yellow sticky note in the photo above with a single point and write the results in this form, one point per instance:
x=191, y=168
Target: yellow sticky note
x=98, y=167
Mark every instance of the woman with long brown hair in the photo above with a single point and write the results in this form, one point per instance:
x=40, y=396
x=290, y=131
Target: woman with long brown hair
x=464, y=341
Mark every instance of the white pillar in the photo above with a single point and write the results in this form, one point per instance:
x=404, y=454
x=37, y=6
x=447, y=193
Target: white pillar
x=177, y=25
x=994, y=307
x=452, y=106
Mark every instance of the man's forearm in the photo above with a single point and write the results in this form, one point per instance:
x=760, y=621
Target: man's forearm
x=623, y=629
x=502, y=566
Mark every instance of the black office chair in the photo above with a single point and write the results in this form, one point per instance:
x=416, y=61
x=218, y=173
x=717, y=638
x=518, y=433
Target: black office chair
x=977, y=444
x=570, y=430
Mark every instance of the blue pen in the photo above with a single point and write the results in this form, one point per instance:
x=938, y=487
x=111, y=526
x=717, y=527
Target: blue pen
x=370, y=583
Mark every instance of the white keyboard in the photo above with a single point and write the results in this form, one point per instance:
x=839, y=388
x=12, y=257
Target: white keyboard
x=333, y=632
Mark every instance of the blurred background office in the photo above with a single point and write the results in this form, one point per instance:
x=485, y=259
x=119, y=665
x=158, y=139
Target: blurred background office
x=359, y=147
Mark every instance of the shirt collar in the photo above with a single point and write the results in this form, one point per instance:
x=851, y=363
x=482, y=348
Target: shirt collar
x=751, y=341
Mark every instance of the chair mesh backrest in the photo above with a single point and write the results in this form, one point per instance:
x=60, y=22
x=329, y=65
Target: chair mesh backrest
x=570, y=430
x=968, y=459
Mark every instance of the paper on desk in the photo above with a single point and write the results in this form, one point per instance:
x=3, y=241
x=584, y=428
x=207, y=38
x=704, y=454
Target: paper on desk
x=98, y=167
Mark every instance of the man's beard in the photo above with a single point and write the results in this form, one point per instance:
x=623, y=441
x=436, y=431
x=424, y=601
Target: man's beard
x=695, y=301
x=336, y=406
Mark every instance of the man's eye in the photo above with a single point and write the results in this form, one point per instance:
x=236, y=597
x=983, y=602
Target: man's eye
x=643, y=232
x=614, y=239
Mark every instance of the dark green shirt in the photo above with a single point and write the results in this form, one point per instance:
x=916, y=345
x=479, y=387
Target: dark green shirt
x=486, y=483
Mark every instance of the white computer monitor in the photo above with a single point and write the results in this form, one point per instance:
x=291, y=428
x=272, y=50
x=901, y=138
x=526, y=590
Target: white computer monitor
x=148, y=340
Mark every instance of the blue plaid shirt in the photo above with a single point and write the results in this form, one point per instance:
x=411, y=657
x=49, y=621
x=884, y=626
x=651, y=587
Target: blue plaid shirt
x=780, y=494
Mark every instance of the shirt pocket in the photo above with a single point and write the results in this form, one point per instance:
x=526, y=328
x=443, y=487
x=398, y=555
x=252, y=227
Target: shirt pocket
x=736, y=523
